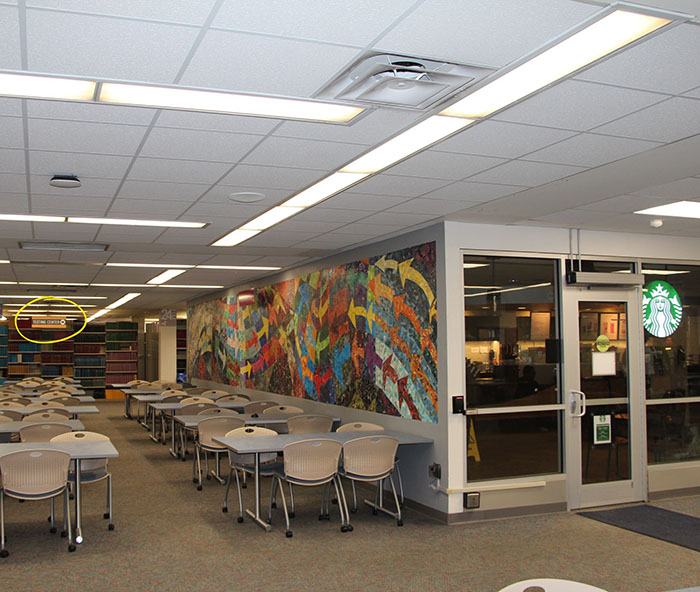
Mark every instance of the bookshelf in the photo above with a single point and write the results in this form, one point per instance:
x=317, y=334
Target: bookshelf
x=121, y=351
x=23, y=357
x=181, y=350
x=89, y=359
x=4, y=334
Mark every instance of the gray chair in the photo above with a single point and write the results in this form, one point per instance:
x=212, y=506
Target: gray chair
x=207, y=430
x=258, y=406
x=35, y=475
x=309, y=424
x=42, y=432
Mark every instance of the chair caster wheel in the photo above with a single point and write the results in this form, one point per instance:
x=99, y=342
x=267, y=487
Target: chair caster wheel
x=399, y=523
x=52, y=530
x=244, y=486
x=21, y=501
x=289, y=534
x=110, y=527
x=4, y=553
x=321, y=517
x=343, y=528
x=106, y=515
x=48, y=519
x=183, y=459
x=199, y=488
x=71, y=497
x=334, y=501
x=350, y=528
x=374, y=511
x=240, y=519
x=353, y=510
x=195, y=480
x=292, y=514
x=64, y=534
x=71, y=548
x=208, y=477
x=224, y=510
x=273, y=505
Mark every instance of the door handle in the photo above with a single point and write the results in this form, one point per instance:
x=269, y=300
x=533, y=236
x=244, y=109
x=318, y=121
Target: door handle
x=581, y=403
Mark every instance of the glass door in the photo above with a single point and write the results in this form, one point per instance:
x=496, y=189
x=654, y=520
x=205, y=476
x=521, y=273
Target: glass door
x=605, y=461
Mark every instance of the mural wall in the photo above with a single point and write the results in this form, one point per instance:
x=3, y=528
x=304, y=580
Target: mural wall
x=361, y=335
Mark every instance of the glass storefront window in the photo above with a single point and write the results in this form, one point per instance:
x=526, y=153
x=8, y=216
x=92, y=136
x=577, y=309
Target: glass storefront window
x=512, y=354
x=672, y=361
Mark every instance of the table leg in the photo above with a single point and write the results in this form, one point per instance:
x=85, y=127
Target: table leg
x=173, y=452
x=127, y=406
x=256, y=516
x=78, y=513
x=144, y=423
x=152, y=413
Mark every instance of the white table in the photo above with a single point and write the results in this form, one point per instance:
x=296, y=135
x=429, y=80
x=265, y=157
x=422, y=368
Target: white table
x=72, y=409
x=261, y=444
x=77, y=398
x=36, y=393
x=78, y=451
x=130, y=392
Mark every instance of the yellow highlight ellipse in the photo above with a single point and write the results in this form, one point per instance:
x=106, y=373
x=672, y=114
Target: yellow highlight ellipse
x=51, y=298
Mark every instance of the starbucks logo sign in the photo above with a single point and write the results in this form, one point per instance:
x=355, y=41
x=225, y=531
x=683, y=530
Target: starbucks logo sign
x=661, y=309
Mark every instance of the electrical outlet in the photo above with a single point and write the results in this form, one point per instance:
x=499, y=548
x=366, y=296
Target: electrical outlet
x=435, y=471
x=472, y=500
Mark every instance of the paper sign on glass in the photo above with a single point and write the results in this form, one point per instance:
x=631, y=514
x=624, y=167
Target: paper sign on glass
x=603, y=363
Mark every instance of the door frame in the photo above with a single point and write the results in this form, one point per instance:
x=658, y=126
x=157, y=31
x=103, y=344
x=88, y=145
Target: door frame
x=612, y=492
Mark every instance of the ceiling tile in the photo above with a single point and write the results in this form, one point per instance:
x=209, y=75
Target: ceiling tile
x=437, y=207
x=518, y=172
x=173, y=11
x=656, y=64
x=190, y=236
x=624, y=204
x=310, y=226
x=229, y=259
x=669, y=121
x=444, y=165
x=59, y=232
x=90, y=187
x=577, y=105
x=336, y=21
x=280, y=260
x=481, y=33
x=11, y=161
x=11, y=107
x=13, y=203
x=13, y=183
x=334, y=241
x=91, y=112
x=360, y=229
x=322, y=214
x=291, y=152
x=185, y=171
x=220, y=195
x=198, y=145
x=269, y=65
x=10, y=57
x=245, y=175
x=22, y=255
x=169, y=210
x=108, y=48
x=21, y=230
x=362, y=202
x=162, y=190
x=216, y=122
x=591, y=150
x=78, y=257
x=135, y=234
x=279, y=238
x=501, y=139
x=383, y=184
x=82, y=165
x=473, y=192
x=69, y=205
x=80, y=137
x=219, y=212
x=688, y=188
x=12, y=132
x=398, y=219
x=54, y=272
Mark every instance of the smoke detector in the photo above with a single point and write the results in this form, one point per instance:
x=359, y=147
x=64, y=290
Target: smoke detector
x=401, y=81
x=65, y=181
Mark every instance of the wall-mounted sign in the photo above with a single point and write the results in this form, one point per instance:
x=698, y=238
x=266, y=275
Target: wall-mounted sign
x=602, y=434
x=49, y=323
x=168, y=317
x=661, y=308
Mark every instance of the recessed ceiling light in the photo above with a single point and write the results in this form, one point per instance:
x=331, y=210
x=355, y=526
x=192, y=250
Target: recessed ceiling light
x=246, y=197
x=46, y=87
x=127, y=222
x=168, y=274
x=37, y=246
x=679, y=209
x=65, y=181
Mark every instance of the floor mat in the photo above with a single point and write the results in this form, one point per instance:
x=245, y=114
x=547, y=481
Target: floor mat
x=673, y=527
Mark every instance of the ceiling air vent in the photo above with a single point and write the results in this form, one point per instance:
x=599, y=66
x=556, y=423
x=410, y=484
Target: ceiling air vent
x=401, y=81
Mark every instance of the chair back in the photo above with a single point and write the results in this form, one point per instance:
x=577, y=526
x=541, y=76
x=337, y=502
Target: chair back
x=54, y=413
x=209, y=392
x=27, y=384
x=52, y=395
x=5, y=418
x=360, y=426
x=194, y=408
x=258, y=406
x=234, y=398
x=188, y=399
x=312, y=461
x=66, y=400
x=197, y=390
x=217, y=426
x=13, y=415
x=135, y=384
x=168, y=392
x=370, y=456
x=34, y=474
x=283, y=410
x=249, y=459
x=14, y=402
x=42, y=432
x=87, y=465
x=550, y=585
x=309, y=424
x=45, y=403
x=174, y=398
x=218, y=411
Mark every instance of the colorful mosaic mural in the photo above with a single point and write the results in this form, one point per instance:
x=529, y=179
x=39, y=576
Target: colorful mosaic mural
x=360, y=335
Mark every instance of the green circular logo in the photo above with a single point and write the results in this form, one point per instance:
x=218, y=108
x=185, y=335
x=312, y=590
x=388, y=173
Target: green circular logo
x=602, y=343
x=661, y=308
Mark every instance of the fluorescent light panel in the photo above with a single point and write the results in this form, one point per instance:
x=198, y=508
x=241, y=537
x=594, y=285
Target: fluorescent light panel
x=51, y=284
x=414, y=139
x=168, y=274
x=220, y=102
x=678, y=209
x=46, y=87
x=189, y=286
x=123, y=300
x=324, y=189
x=31, y=218
x=271, y=217
x=18, y=296
x=235, y=237
x=604, y=36
x=149, y=265
x=128, y=222
x=98, y=314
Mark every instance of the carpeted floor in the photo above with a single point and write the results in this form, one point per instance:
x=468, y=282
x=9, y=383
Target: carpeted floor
x=171, y=537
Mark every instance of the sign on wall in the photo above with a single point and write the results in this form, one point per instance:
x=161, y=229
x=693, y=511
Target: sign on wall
x=661, y=308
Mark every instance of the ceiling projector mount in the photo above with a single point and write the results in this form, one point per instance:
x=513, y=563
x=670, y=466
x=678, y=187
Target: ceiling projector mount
x=401, y=81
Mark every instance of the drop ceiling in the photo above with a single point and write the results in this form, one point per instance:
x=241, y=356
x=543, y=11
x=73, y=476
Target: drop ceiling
x=621, y=136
